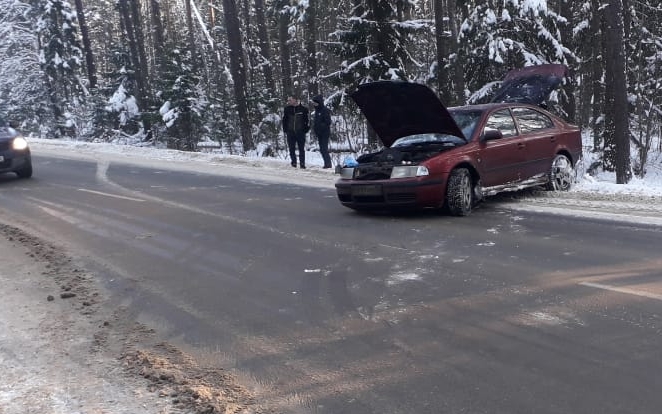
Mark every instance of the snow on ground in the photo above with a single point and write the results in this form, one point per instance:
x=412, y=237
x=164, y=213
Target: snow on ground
x=603, y=183
x=597, y=196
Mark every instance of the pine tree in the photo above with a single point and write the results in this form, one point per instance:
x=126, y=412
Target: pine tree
x=184, y=104
x=372, y=44
x=513, y=34
x=643, y=48
x=61, y=59
x=22, y=89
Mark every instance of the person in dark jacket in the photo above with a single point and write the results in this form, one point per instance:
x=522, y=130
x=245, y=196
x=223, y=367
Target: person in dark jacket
x=295, y=126
x=322, y=128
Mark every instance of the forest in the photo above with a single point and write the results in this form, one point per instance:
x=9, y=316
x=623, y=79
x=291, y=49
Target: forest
x=184, y=74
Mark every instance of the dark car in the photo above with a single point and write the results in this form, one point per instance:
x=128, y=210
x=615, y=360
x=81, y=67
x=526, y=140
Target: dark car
x=436, y=157
x=14, y=152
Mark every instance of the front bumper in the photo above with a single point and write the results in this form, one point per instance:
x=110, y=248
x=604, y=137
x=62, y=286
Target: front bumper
x=12, y=161
x=391, y=194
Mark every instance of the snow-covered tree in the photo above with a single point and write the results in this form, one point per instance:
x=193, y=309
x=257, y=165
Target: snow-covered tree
x=141, y=49
x=499, y=36
x=61, y=60
x=121, y=112
x=617, y=130
x=184, y=103
x=644, y=59
x=21, y=79
x=372, y=43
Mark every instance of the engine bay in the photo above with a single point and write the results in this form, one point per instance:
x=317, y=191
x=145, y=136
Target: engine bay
x=378, y=165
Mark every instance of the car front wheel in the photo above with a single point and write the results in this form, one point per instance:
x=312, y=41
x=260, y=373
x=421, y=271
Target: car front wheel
x=561, y=175
x=25, y=172
x=459, y=194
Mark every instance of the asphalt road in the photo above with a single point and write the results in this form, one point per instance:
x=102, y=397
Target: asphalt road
x=324, y=310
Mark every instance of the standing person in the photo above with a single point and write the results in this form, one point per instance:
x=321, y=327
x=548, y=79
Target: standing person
x=296, y=126
x=322, y=128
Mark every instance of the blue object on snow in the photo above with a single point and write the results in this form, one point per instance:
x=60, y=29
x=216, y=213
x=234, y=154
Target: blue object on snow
x=350, y=162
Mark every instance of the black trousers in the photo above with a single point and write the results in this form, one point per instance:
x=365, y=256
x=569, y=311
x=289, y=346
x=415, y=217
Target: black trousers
x=323, y=140
x=297, y=141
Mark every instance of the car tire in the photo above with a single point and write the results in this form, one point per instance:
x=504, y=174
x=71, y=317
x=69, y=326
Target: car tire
x=561, y=175
x=25, y=172
x=459, y=193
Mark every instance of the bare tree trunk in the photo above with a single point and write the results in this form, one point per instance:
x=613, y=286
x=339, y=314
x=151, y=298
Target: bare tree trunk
x=265, y=49
x=191, y=35
x=238, y=70
x=311, y=48
x=458, y=65
x=569, y=104
x=248, y=38
x=615, y=69
x=87, y=45
x=131, y=20
x=157, y=34
x=140, y=44
x=133, y=47
x=450, y=76
x=596, y=73
x=285, y=56
x=157, y=25
x=442, y=38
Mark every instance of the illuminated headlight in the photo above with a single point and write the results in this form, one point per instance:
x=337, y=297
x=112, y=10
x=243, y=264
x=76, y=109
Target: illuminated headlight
x=408, y=171
x=19, y=144
x=347, y=173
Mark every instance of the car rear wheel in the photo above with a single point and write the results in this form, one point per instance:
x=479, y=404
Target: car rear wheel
x=25, y=172
x=459, y=194
x=561, y=175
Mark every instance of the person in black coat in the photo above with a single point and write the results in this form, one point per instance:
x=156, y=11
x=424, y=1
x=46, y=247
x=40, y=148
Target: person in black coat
x=322, y=128
x=295, y=126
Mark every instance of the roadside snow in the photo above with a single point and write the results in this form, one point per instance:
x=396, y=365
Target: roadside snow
x=597, y=197
x=63, y=352
x=50, y=361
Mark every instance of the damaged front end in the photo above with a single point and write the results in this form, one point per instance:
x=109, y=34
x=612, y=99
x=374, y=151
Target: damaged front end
x=399, y=161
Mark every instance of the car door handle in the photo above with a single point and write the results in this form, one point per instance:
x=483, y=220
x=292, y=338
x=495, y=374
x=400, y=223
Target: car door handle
x=521, y=145
x=553, y=139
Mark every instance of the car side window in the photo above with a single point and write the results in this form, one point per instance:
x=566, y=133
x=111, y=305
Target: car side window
x=530, y=120
x=503, y=121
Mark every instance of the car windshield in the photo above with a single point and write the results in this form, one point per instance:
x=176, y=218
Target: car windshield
x=424, y=139
x=466, y=121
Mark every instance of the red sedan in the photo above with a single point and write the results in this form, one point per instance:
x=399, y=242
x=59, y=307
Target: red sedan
x=436, y=157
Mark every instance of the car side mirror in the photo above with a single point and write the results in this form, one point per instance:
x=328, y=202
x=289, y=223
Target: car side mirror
x=492, y=134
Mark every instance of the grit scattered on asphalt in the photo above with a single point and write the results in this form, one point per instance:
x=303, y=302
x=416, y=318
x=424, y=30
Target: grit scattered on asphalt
x=62, y=351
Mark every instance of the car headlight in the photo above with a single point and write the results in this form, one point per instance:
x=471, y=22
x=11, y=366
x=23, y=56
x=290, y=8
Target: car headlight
x=347, y=173
x=19, y=144
x=408, y=171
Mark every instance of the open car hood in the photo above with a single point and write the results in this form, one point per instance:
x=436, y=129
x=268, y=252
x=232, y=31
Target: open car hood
x=532, y=84
x=398, y=109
